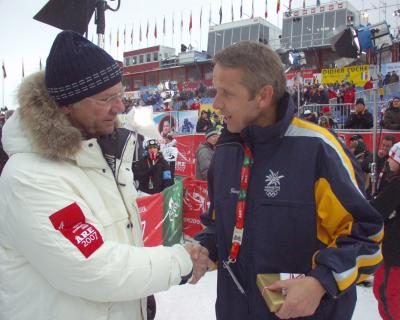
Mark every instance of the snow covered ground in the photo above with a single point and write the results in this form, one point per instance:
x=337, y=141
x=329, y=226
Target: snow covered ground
x=196, y=302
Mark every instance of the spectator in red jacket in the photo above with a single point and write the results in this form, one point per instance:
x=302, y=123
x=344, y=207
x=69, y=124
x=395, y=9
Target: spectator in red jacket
x=369, y=84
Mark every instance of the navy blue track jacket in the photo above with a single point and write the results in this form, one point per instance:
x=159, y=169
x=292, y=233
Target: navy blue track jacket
x=305, y=214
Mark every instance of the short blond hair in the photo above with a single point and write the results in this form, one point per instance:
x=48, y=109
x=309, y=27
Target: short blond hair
x=260, y=64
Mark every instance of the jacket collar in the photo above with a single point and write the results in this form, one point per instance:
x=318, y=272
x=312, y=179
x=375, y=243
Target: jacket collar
x=254, y=134
x=45, y=127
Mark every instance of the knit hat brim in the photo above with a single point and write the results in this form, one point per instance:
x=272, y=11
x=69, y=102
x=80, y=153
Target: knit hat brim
x=76, y=69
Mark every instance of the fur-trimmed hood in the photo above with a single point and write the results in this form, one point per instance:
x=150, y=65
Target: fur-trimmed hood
x=38, y=125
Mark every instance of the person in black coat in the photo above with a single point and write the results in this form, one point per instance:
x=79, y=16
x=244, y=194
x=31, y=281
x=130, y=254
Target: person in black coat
x=152, y=171
x=361, y=119
x=387, y=278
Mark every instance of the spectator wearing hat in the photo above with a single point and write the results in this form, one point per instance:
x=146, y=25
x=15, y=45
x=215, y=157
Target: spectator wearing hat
x=205, y=152
x=387, y=278
x=391, y=118
x=152, y=172
x=69, y=225
x=310, y=116
x=361, y=118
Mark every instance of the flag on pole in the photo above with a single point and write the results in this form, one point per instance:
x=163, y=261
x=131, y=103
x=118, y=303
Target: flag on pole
x=153, y=209
x=304, y=4
x=190, y=23
x=118, y=37
x=181, y=22
x=233, y=17
x=164, y=30
x=209, y=17
x=173, y=24
x=220, y=14
x=155, y=29
x=23, y=71
x=318, y=3
x=278, y=5
x=266, y=9
x=4, y=71
x=40, y=63
x=140, y=32
x=290, y=5
x=125, y=35
x=252, y=9
x=241, y=8
x=132, y=36
x=201, y=15
x=147, y=29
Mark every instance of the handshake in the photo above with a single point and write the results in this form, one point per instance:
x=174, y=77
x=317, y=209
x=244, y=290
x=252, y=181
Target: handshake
x=200, y=259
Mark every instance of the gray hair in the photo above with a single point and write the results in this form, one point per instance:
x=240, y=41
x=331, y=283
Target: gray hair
x=261, y=66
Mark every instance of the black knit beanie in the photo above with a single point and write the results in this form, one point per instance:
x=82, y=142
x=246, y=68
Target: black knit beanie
x=76, y=69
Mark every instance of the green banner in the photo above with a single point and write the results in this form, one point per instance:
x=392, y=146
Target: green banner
x=172, y=208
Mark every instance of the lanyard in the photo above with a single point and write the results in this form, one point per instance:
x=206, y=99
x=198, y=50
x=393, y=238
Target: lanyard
x=240, y=212
x=241, y=205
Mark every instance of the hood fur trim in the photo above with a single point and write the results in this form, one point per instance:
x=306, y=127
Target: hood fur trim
x=51, y=132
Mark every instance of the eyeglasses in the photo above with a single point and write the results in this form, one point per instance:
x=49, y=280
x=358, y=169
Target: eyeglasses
x=110, y=100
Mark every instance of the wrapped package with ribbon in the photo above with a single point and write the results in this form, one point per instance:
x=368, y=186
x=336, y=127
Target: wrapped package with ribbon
x=273, y=299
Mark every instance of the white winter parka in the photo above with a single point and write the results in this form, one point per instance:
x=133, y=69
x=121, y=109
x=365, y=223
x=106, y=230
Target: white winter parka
x=70, y=236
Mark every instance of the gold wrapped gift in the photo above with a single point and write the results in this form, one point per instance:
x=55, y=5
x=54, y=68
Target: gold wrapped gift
x=273, y=299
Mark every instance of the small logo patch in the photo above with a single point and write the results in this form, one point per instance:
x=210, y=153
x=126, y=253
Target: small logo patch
x=71, y=222
x=273, y=184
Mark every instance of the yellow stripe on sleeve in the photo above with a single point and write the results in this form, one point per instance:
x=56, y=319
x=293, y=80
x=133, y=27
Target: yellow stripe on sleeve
x=333, y=220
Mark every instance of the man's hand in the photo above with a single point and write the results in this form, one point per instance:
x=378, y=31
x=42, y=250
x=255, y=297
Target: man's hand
x=302, y=297
x=201, y=262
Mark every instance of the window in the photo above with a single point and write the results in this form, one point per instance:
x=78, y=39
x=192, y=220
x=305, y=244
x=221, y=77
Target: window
x=148, y=57
x=340, y=18
x=127, y=61
x=141, y=58
x=307, y=31
x=218, y=41
x=211, y=43
x=254, y=32
x=245, y=33
x=155, y=56
x=296, y=35
x=235, y=35
x=317, y=29
x=329, y=26
x=134, y=60
x=286, y=39
x=227, y=38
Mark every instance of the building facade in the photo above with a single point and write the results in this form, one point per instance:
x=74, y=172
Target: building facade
x=256, y=29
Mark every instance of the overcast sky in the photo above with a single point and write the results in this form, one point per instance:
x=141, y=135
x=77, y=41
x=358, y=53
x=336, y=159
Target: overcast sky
x=23, y=38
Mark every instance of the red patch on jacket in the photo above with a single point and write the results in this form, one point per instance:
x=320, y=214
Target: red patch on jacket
x=71, y=222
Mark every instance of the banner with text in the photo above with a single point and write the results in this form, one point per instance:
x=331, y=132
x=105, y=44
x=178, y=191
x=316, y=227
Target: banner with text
x=356, y=74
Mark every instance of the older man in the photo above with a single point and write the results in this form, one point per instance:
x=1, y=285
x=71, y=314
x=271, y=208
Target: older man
x=70, y=236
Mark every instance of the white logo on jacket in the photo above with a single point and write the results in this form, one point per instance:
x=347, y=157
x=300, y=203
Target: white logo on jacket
x=273, y=184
